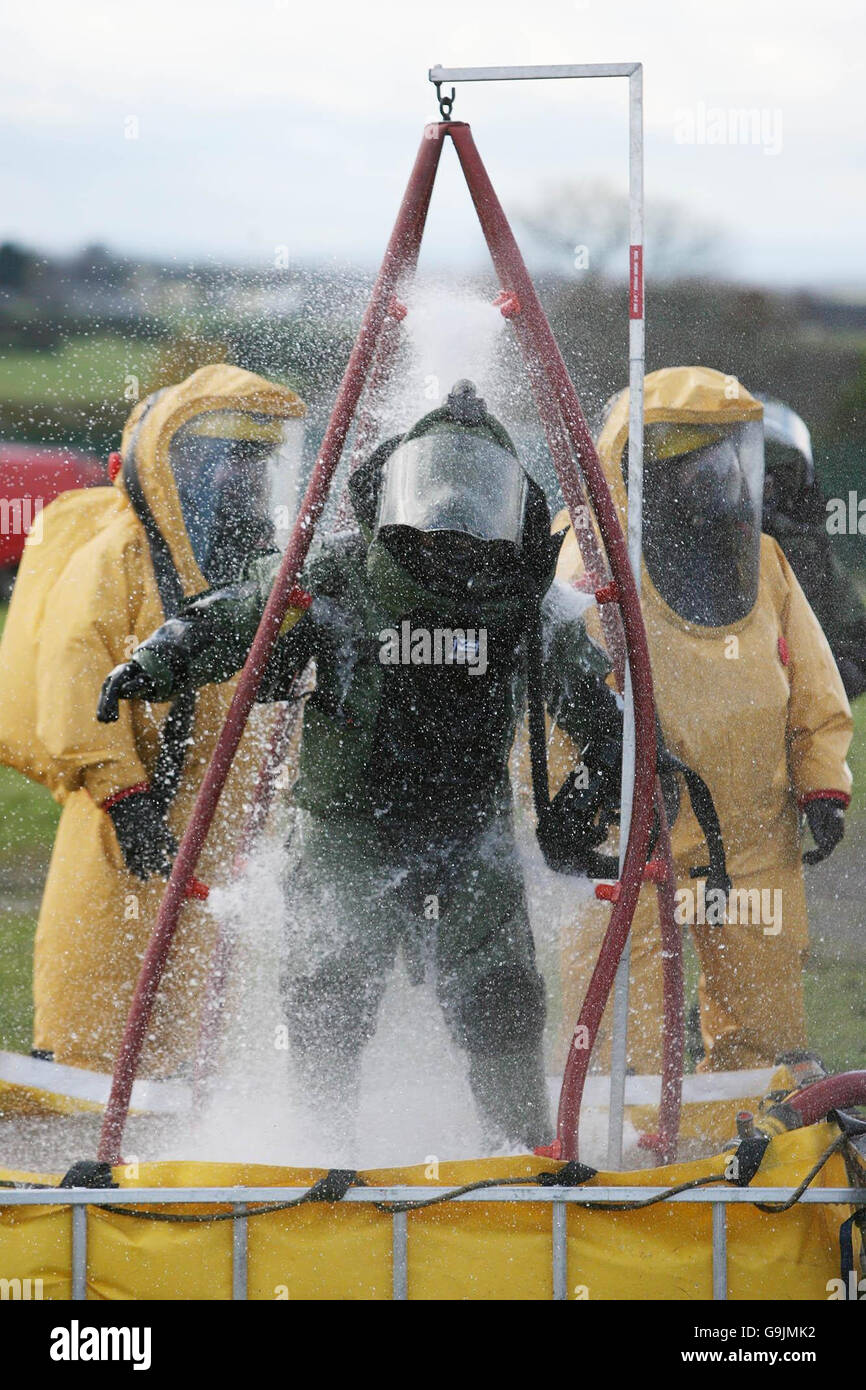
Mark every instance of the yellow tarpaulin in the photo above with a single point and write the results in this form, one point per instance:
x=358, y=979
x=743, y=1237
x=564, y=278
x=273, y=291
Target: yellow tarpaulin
x=481, y=1250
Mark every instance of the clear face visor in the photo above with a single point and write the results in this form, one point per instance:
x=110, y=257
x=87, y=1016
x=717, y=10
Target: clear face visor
x=724, y=480
x=237, y=479
x=451, y=480
x=702, y=518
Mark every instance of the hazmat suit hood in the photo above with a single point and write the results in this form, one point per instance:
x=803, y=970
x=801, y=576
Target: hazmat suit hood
x=703, y=484
x=146, y=477
x=785, y=430
x=789, y=477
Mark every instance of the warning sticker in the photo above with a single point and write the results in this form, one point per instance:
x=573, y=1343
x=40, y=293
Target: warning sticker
x=635, y=280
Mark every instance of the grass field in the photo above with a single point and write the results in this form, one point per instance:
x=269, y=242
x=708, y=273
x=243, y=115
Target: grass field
x=16, y=1000
x=28, y=815
x=28, y=820
x=83, y=368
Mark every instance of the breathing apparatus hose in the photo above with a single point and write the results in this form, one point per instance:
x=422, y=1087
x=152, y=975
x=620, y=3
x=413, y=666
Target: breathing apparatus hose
x=814, y=1102
x=810, y=1105
x=716, y=872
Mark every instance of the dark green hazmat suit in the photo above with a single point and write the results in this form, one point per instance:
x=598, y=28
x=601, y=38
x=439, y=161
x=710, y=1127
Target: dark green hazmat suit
x=796, y=514
x=404, y=839
x=798, y=521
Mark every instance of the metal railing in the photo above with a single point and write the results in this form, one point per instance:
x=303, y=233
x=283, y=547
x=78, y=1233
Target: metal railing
x=241, y=1199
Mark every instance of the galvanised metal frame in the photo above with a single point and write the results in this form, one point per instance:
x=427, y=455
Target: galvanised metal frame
x=240, y=1200
x=636, y=353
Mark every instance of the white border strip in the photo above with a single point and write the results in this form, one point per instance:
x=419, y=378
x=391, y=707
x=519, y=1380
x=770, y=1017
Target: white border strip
x=54, y=1080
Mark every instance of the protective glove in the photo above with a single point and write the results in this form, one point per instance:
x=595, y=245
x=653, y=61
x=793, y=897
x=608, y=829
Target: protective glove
x=146, y=843
x=129, y=681
x=826, y=818
x=853, y=675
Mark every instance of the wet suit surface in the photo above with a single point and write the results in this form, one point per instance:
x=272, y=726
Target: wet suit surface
x=404, y=836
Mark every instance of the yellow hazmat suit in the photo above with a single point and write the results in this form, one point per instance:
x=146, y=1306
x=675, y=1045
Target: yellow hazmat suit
x=96, y=918
x=758, y=709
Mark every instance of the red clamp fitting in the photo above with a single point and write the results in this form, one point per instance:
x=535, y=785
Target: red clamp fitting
x=508, y=304
x=653, y=1142
x=655, y=871
x=553, y=1150
x=396, y=309
x=299, y=598
x=608, y=593
x=608, y=892
x=584, y=584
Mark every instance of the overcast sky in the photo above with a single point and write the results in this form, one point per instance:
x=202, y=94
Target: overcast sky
x=267, y=123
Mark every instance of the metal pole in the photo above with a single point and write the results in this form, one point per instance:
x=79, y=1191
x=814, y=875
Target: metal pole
x=673, y=1043
x=400, y=1256
x=720, y=1252
x=79, y=1253
x=636, y=348
x=531, y=1194
x=559, y=1236
x=240, y=1236
x=531, y=74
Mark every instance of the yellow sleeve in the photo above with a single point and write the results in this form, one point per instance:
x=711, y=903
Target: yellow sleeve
x=819, y=716
x=88, y=620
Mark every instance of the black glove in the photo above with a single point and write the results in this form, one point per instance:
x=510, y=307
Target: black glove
x=853, y=675
x=126, y=682
x=826, y=817
x=578, y=819
x=147, y=844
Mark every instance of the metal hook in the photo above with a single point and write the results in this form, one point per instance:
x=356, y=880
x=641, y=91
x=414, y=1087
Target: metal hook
x=445, y=103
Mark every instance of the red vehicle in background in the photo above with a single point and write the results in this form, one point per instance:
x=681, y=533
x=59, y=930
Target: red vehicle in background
x=31, y=476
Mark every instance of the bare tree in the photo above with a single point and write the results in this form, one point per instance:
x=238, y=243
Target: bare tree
x=586, y=226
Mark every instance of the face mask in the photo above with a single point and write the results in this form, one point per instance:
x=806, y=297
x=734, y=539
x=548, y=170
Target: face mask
x=452, y=563
x=453, y=480
x=702, y=526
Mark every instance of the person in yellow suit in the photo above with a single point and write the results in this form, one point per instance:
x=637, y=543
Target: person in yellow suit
x=748, y=695
x=197, y=490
